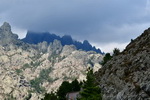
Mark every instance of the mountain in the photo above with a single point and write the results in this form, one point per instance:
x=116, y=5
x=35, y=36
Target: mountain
x=35, y=38
x=127, y=76
x=6, y=36
x=28, y=71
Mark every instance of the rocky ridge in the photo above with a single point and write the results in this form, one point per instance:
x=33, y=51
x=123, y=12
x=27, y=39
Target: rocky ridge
x=65, y=40
x=127, y=76
x=28, y=71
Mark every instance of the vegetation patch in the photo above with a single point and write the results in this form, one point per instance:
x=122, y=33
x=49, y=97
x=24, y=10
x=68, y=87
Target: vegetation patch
x=36, y=85
x=90, y=89
x=10, y=97
x=26, y=66
x=43, y=76
x=106, y=58
x=18, y=71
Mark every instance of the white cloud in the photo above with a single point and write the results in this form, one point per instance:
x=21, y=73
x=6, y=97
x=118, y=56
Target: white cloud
x=109, y=47
x=21, y=32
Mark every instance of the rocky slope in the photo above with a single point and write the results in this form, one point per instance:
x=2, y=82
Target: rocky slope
x=127, y=76
x=37, y=37
x=28, y=71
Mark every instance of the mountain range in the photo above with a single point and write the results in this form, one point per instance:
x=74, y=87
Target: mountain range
x=37, y=37
x=28, y=71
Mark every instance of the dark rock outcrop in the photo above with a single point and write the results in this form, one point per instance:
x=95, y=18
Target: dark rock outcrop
x=127, y=76
x=35, y=38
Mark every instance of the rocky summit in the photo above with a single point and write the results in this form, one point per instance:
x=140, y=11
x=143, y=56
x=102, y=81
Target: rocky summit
x=127, y=76
x=37, y=37
x=28, y=71
x=6, y=36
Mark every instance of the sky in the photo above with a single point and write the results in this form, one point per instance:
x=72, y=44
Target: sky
x=107, y=24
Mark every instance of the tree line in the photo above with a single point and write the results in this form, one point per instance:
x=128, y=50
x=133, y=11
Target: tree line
x=89, y=89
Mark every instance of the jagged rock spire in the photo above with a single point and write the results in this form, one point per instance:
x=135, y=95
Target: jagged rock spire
x=6, y=27
x=6, y=35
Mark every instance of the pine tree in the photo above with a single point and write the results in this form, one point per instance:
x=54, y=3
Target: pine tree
x=63, y=90
x=51, y=96
x=106, y=58
x=75, y=85
x=116, y=52
x=90, y=89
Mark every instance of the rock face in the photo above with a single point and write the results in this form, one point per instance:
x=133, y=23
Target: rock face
x=6, y=36
x=65, y=40
x=127, y=76
x=29, y=71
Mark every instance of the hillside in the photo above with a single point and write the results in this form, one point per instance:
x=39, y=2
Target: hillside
x=37, y=37
x=27, y=71
x=127, y=76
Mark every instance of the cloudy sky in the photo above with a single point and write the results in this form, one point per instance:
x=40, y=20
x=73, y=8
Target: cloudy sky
x=104, y=23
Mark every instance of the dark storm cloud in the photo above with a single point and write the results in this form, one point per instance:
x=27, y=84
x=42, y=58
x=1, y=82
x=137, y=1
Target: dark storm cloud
x=101, y=21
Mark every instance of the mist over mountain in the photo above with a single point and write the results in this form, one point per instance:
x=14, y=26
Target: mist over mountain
x=37, y=37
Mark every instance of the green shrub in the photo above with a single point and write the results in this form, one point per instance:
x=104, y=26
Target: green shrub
x=51, y=96
x=36, y=85
x=116, y=52
x=106, y=58
x=18, y=71
x=68, y=87
x=26, y=66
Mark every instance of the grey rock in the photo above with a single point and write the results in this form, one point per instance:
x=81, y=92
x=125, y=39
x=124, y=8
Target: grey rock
x=55, y=47
x=6, y=36
x=128, y=74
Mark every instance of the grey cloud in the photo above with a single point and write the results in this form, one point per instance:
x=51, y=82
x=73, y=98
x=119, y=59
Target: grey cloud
x=96, y=20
